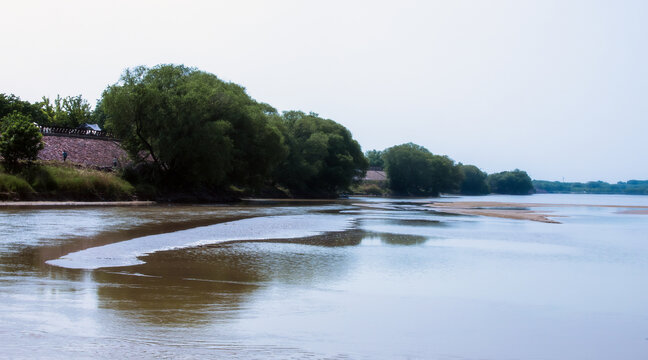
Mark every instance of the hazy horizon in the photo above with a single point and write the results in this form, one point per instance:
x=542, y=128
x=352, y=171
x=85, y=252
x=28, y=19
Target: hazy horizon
x=555, y=88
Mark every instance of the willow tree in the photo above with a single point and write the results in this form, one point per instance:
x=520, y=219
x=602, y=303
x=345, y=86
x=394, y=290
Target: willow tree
x=414, y=170
x=195, y=128
x=323, y=157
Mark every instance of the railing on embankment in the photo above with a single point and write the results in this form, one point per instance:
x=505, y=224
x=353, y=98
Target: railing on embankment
x=63, y=131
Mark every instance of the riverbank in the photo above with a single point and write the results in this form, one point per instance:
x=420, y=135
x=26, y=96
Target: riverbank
x=59, y=181
x=51, y=204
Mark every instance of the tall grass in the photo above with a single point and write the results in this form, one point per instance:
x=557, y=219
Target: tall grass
x=13, y=187
x=65, y=182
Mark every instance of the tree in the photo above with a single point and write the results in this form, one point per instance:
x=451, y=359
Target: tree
x=195, y=128
x=20, y=139
x=70, y=111
x=323, y=157
x=514, y=182
x=99, y=115
x=474, y=180
x=10, y=104
x=375, y=159
x=77, y=110
x=414, y=170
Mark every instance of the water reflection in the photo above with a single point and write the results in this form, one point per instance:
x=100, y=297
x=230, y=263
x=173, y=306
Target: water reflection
x=168, y=300
x=408, y=240
x=212, y=283
x=406, y=282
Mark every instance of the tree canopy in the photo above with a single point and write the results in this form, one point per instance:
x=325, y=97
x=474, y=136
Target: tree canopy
x=20, y=139
x=516, y=182
x=414, y=170
x=10, y=104
x=474, y=180
x=195, y=128
x=323, y=157
x=69, y=111
x=375, y=159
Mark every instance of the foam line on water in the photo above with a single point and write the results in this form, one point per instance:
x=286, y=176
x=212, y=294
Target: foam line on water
x=127, y=253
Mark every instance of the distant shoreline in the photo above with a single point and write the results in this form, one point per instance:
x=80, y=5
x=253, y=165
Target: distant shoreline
x=511, y=210
x=39, y=204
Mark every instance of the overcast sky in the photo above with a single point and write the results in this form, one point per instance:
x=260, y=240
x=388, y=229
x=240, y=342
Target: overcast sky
x=556, y=88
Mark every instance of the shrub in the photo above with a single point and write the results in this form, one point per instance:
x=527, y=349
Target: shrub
x=369, y=189
x=20, y=139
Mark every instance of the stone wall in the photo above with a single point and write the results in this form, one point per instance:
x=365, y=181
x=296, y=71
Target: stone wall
x=92, y=152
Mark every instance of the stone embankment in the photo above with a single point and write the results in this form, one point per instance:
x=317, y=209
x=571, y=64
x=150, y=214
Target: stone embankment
x=86, y=151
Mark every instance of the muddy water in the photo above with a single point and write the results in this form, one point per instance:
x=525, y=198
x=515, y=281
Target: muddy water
x=360, y=279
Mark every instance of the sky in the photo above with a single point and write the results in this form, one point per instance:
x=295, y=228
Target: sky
x=556, y=88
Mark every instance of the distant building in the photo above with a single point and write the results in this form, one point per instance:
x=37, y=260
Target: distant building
x=375, y=175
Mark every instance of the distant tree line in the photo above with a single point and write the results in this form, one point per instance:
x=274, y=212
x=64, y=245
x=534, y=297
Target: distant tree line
x=631, y=187
x=412, y=170
x=187, y=129
x=69, y=111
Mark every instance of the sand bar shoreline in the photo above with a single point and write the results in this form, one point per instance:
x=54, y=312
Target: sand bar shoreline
x=518, y=211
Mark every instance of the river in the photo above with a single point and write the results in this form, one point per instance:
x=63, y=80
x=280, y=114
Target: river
x=364, y=278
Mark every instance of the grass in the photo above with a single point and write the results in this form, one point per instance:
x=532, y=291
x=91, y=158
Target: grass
x=55, y=181
x=12, y=187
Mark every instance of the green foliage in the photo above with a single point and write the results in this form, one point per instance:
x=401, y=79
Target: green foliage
x=375, y=159
x=20, y=139
x=10, y=104
x=369, y=189
x=414, y=170
x=514, y=182
x=195, y=128
x=323, y=157
x=631, y=187
x=90, y=184
x=40, y=178
x=474, y=180
x=63, y=182
x=70, y=111
x=99, y=116
x=13, y=186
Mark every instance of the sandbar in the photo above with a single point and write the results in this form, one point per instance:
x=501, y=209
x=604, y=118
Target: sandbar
x=518, y=210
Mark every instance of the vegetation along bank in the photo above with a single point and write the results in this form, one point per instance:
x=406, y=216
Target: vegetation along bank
x=171, y=132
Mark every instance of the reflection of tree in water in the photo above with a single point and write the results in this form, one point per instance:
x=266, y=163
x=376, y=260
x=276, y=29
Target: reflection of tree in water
x=400, y=239
x=414, y=222
x=27, y=261
x=168, y=300
x=204, y=284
